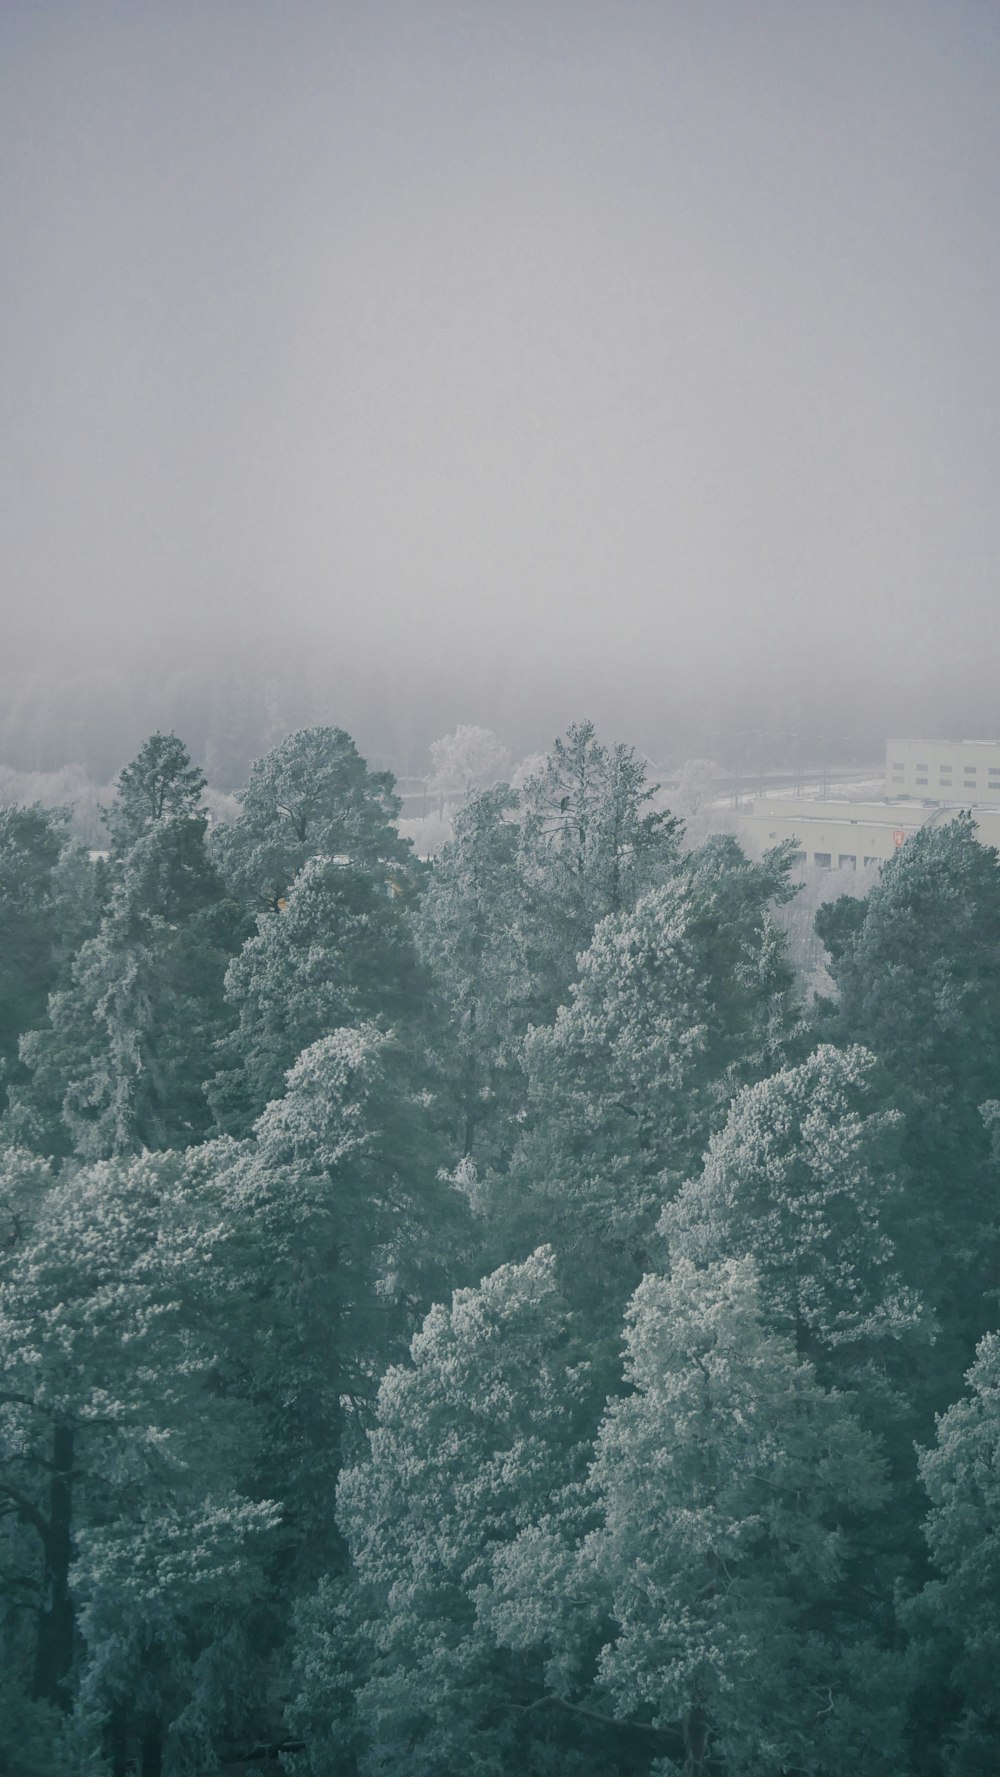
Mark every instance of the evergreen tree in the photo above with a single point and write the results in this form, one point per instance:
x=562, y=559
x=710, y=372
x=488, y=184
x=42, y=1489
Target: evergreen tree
x=589, y=845
x=469, y=932
x=311, y=796
x=160, y=783
x=474, y=1439
x=956, y=1621
x=731, y=1485
x=339, y=1230
x=339, y=952
x=805, y=1177
x=917, y=970
x=131, y=1038
x=49, y=902
x=116, y=1444
x=514, y=899
x=677, y=1004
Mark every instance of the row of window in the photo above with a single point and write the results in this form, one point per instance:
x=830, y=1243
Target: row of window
x=846, y=860
x=968, y=772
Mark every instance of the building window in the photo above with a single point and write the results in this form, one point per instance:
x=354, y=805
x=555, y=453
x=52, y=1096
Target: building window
x=923, y=767
x=823, y=859
x=798, y=857
x=921, y=780
x=847, y=861
x=870, y=861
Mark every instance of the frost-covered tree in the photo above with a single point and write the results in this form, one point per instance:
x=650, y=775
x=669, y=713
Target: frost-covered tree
x=30, y=847
x=170, y=1612
x=470, y=758
x=115, y=1431
x=469, y=932
x=590, y=844
x=917, y=964
x=956, y=1622
x=678, y=1002
x=310, y=796
x=338, y=952
x=478, y=1436
x=51, y=897
x=513, y=900
x=917, y=970
x=339, y=1231
x=731, y=1485
x=130, y=1039
x=161, y=782
x=805, y=1177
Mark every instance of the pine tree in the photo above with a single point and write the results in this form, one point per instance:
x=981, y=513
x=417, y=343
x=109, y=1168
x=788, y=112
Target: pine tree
x=50, y=901
x=731, y=1485
x=589, y=845
x=469, y=930
x=955, y=1622
x=806, y=1177
x=131, y=1038
x=117, y=1441
x=311, y=796
x=339, y=1230
x=160, y=783
x=917, y=970
x=678, y=1002
x=339, y=952
x=472, y=1440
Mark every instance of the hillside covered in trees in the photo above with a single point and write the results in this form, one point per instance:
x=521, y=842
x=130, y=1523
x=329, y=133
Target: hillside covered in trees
x=480, y=1316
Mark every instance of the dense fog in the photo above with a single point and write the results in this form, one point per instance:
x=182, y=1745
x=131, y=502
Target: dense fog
x=498, y=365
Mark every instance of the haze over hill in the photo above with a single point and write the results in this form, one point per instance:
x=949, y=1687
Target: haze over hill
x=398, y=368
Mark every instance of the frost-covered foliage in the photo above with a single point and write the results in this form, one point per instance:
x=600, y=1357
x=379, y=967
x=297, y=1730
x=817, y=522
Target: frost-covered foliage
x=161, y=783
x=677, y=1003
x=338, y=1230
x=337, y=953
x=120, y=1446
x=917, y=971
x=730, y=1484
x=311, y=796
x=121, y=1061
x=957, y=1621
x=473, y=1441
x=479, y=1316
x=802, y=1176
x=470, y=758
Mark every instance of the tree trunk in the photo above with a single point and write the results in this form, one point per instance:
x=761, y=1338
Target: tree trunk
x=696, y=1759
x=151, y=1754
x=54, y=1646
x=118, y=1741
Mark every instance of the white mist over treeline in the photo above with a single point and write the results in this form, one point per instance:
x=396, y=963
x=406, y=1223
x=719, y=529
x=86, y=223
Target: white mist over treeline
x=496, y=367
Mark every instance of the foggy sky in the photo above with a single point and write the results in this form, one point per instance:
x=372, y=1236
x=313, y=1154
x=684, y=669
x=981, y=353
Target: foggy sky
x=507, y=362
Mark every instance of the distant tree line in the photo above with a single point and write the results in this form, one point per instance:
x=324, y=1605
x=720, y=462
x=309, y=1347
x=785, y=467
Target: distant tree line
x=479, y=1316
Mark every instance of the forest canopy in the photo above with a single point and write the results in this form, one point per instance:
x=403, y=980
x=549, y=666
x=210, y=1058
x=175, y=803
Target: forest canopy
x=484, y=1313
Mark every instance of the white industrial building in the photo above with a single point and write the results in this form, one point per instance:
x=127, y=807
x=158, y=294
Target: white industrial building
x=926, y=782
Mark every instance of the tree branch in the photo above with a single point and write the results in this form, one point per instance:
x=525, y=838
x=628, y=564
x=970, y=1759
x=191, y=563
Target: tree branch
x=607, y=1721
x=27, y=1511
